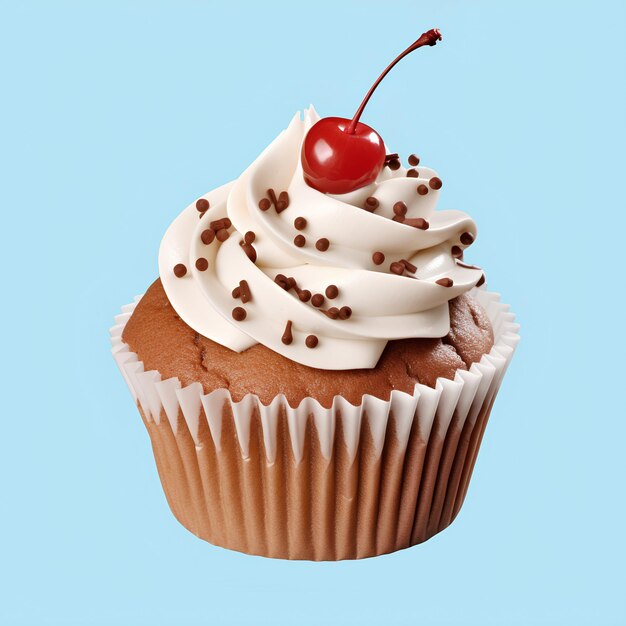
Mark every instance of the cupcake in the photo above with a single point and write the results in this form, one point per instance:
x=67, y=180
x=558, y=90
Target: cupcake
x=316, y=364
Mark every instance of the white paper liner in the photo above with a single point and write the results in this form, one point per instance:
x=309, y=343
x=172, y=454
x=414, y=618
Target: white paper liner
x=429, y=489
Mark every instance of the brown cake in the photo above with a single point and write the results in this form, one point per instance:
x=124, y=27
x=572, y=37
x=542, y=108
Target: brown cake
x=165, y=343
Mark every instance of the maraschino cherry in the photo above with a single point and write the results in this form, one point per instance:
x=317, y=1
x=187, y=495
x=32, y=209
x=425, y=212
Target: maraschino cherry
x=340, y=155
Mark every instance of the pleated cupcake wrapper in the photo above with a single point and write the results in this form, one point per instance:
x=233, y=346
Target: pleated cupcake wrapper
x=317, y=483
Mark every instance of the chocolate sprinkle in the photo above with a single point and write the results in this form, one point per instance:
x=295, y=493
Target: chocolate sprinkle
x=311, y=341
x=317, y=300
x=413, y=160
x=469, y=267
x=435, y=182
x=202, y=205
x=236, y=293
x=207, y=236
x=378, y=258
x=456, y=252
x=202, y=264
x=371, y=204
x=304, y=295
x=393, y=164
x=397, y=268
x=400, y=208
x=398, y=218
x=222, y=235
x=239, y=314
x=345, y=312
x=287, y=337
x=391, y=157
x=417, y=222
x=422, y=190
x=264, y=204
x=244, y=289
x=283, y=202
x=332, y=291
x=467, y=239
x=281, y=280
x=322, y=244
x=481, y=281
x=299, y=240
x=412, y=173
x=445, y=282
x=249, y=237
x=250, y=251
x=300, y=223
x=220, y=224
x=179, y=270
x=333, y=313
x=272, y=194
x=409, y=266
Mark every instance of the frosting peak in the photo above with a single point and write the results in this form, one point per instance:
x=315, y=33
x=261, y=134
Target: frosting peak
x=323, y=280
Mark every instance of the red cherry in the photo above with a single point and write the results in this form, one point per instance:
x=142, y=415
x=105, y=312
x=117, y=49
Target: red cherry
x=340, y=155
x=337, y=162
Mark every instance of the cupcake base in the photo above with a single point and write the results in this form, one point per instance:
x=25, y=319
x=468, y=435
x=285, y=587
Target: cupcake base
x=319, y=484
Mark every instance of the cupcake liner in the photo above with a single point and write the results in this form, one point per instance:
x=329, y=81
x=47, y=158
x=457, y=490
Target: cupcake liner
x=314, y=483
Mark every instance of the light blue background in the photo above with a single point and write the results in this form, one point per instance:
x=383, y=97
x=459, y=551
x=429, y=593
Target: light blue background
x=114, y=116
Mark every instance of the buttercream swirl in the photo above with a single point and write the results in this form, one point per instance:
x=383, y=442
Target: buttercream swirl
x=384, y=305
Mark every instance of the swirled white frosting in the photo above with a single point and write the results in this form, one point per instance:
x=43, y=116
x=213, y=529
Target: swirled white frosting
x=384, y=305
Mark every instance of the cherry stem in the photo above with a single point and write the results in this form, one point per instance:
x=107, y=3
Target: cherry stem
x=429, y=38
